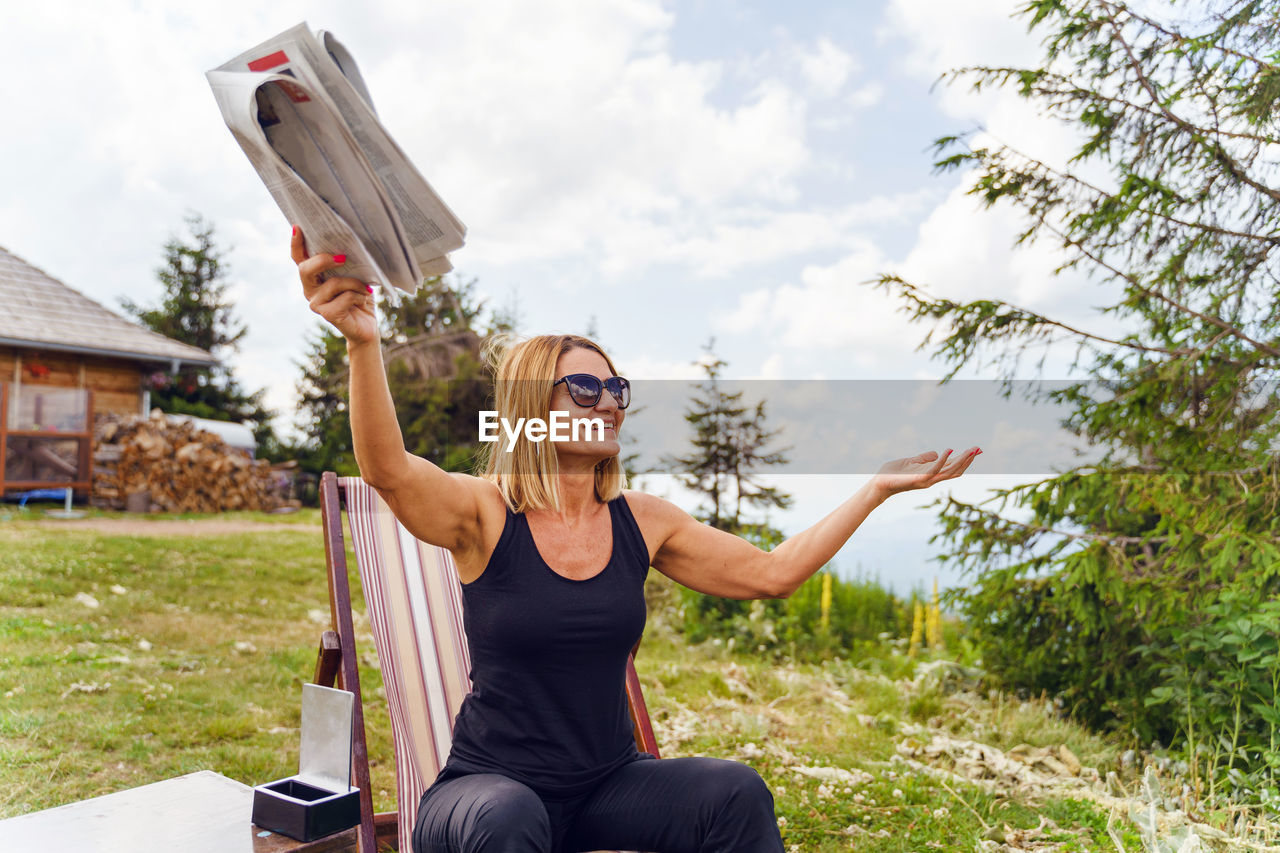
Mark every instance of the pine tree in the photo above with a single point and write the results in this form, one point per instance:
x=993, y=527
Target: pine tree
x=726, y=459
x=323, y=417
x=194, y=309
x=1087, y=584
x=729, y=451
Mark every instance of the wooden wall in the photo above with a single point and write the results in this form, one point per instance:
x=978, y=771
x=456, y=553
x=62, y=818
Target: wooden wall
x=116, y=383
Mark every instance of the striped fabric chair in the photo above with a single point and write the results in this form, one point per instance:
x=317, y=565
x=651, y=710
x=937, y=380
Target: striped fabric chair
x=414, y=602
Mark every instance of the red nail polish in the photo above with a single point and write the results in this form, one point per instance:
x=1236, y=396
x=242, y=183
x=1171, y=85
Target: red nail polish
x=339, y=259
x=295, y=231
x=369, y=288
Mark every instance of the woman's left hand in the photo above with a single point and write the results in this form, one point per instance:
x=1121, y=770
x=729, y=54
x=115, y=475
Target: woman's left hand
x=922, y=471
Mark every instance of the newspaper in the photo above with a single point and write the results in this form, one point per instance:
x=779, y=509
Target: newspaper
x=301, y=111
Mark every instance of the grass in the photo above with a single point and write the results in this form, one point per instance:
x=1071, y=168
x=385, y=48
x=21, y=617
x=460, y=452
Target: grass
x=195, y=655
x=787, y=719
x=193, y=658
x=35, y=511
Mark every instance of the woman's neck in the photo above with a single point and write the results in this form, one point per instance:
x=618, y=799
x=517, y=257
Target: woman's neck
x=577, y=495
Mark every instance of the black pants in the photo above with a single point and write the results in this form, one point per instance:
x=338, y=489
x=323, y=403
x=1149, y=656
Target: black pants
x=672, y=805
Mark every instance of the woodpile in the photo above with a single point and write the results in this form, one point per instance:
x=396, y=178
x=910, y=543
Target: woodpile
x=152, y=463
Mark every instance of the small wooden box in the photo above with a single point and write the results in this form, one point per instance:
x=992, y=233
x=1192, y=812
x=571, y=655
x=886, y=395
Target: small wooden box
x=319, y=800
x=292, y=807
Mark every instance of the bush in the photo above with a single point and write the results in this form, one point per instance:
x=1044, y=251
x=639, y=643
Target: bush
x=1174, y=643
x=861, y=614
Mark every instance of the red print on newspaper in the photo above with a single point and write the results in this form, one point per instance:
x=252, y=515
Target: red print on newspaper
x=275, y=60
x=295, y=92
x=268, y=62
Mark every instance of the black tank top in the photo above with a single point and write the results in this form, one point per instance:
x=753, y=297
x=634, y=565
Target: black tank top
x=548, y=703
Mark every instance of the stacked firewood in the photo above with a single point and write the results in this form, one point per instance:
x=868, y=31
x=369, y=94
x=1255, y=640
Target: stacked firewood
x=153, y=463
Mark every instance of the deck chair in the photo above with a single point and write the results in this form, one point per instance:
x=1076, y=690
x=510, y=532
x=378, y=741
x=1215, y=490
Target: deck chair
x=414, y=601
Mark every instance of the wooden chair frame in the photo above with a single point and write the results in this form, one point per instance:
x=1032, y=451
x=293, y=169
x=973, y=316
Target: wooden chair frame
x=337, y=663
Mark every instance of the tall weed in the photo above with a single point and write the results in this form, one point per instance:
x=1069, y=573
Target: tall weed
x=1221, y=684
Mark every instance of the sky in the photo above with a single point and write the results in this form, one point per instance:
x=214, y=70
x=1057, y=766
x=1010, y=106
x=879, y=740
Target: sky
x=662, y=172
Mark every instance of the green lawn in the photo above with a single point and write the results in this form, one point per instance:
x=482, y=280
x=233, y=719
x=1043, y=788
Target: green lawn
x=195, y=655
x=192, y=659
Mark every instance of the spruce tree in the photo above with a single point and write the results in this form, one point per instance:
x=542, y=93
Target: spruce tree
x=729, y=451
x=1088, y=584
x=323, y=417
x=194, y=308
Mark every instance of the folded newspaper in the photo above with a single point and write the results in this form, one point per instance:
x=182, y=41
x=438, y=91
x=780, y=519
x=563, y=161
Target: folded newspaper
x=301, y=111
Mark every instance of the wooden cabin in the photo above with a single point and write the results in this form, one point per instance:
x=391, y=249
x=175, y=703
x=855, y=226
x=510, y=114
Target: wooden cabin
x=63, y=359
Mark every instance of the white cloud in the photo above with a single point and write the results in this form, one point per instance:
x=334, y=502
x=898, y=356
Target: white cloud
x=641, y=366
x=923, y=396
x=867, y=95
x=964, y=251
x=960, y=251
x=744, y=236
x=586, y=132
x=942, y=34
x=774, y=367
x=826, y=67
x=831, y=311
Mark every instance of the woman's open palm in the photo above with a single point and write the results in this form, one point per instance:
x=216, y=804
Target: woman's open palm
x=923, y=470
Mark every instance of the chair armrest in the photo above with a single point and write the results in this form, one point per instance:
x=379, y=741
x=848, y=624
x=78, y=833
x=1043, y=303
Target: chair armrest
x=328, y=659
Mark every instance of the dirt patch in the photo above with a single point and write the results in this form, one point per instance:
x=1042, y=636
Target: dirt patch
x=171, y=527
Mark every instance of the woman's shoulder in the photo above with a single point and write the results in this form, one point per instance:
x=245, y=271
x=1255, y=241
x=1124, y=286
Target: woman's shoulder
x=638, y=501
x=650, y=502
x=483, y=486
x=491, y=506
x=654, y=514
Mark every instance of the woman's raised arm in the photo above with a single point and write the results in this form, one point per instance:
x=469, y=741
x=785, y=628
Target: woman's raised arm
x=434, y=505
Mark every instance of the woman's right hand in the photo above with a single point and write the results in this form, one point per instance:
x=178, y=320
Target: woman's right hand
x=347, y=303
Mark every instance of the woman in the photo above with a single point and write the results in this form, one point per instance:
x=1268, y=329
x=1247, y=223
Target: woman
x=552, y=553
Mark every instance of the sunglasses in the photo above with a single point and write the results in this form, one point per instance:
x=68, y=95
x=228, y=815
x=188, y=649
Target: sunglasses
x=585, y=389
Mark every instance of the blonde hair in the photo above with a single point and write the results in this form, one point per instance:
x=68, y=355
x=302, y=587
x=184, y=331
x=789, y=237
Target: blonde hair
x=524, y=373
